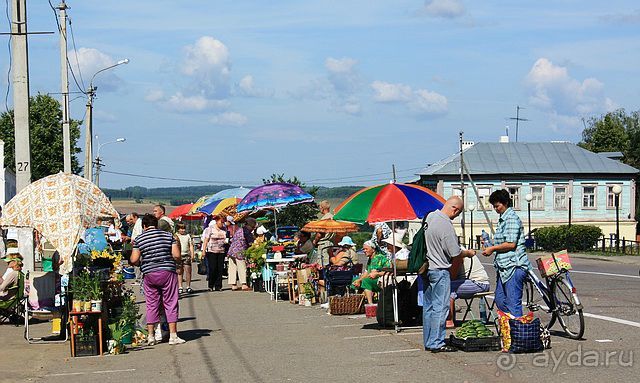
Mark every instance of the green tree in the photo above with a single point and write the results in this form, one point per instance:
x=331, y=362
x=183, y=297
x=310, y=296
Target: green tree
x=616, y=131
x=47, y=157
x=296, y=215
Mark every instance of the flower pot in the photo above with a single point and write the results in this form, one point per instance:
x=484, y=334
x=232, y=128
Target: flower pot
x=307, y=302
x=127, y=338
x=96, y=305
x=78, y=305
x=86, y=306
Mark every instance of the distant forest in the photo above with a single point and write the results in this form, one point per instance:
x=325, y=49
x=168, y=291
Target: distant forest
x=186, y=194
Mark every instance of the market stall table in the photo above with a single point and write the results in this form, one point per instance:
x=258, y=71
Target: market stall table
x=279, y=274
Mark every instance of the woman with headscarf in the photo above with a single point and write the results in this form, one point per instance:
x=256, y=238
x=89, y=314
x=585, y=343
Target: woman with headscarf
x=368, y=281
x=242, y=239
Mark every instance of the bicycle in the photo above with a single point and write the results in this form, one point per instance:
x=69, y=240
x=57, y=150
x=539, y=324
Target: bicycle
x=558, y=299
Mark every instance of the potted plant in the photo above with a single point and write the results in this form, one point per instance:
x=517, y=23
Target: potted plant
x=118, y=332
x=129, y=316
x=95, y=293
x=80, y=290
x=255, y=259
x=309, y=293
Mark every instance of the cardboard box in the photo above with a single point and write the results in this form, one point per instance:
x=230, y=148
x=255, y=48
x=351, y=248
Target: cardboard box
x=552, y=264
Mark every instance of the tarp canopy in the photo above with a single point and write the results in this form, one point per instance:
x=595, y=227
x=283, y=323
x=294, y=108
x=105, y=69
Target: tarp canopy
x=60, y=207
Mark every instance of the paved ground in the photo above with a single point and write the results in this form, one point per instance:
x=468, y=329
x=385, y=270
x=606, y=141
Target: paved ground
x=243, y=336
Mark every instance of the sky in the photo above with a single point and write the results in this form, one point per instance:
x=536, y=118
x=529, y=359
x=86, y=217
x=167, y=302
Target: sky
x=333, y=92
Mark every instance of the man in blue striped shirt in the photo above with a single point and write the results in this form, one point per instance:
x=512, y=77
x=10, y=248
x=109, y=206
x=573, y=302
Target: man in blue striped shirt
x=157, y=251
x=511, y=260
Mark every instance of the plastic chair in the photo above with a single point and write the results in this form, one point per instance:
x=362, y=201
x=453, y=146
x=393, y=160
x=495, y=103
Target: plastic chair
x=11, y=309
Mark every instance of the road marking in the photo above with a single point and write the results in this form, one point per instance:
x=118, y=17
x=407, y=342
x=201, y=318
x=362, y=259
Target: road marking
x=91, y=372
x=610, y=319
x=604, y=340
x=605, y=274
x=344, y=325
x=365, y=336
x=409, y=333
x=592, y=272
x=394, y=351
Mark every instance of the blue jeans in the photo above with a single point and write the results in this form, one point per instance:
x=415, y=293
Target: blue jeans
x=435, y=309
x=466, y=288
x=509, y=294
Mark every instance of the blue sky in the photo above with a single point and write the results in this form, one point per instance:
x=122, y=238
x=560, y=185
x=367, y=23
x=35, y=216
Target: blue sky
x=232, y=91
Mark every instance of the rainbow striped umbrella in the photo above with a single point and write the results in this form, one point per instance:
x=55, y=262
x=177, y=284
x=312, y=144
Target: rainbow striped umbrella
x=217, y=206
x=388, y=202
x=274, y=195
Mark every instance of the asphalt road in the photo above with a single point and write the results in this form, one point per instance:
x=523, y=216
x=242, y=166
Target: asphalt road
x=244, y=336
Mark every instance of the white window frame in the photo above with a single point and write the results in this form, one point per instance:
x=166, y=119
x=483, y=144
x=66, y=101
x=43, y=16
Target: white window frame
x=483, y=198
x=556, y=194
x=533, y=201
x=613, y=196
x=595, y=197
x=515, y=198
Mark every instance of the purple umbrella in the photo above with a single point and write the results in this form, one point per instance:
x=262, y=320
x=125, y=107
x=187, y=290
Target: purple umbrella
x=274, y=196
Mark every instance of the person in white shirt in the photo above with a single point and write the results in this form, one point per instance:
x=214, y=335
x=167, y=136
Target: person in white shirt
x=401, y=251
x=472, y=279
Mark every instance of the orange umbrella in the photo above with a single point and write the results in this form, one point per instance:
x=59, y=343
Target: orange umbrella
x=330, y=226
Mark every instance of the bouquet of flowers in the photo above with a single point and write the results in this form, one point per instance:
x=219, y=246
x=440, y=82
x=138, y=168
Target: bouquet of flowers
x=256, y=255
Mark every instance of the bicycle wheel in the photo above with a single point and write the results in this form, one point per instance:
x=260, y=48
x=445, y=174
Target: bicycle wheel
x=569, y=314
x=536, y=303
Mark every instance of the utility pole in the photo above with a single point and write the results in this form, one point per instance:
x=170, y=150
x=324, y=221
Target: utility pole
x=20, y=60
x=461, y=134
x=88, y=135
x=64, y=76
x=98, y=164
x=518, y=119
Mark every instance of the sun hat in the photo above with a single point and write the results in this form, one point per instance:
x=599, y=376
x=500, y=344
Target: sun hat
x=230, y=219
x=397, y=243
x=346, y=240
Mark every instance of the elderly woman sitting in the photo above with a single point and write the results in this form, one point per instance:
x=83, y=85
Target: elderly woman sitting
x=347, y=255
x=368, y=281
x=10, y=277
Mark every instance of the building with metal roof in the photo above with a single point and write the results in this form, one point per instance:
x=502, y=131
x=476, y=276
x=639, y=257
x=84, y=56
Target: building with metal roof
x=562, y=180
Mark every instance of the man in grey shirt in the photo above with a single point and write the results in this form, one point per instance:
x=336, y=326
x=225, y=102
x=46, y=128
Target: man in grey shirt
x=442, y=245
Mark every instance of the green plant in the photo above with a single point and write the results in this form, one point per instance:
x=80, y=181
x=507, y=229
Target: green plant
x=130, y=310
x=308, y=290
x=80, y=286
x=94, y=288
x=118, y=332
x=255, y=254
x=574, y=238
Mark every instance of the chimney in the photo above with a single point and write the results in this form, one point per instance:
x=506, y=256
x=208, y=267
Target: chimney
x=504, y=139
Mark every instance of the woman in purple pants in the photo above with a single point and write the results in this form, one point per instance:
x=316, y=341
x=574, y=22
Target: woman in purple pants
x=157, y=251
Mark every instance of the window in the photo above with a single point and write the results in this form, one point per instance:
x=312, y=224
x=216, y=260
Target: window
x=483, y=197
x=560, y=197
x=611, y=197
x=537, y=203
x=514, y=192
x=589, y=197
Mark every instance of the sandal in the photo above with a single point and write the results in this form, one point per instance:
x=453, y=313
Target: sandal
x=189, y=290
x=234, y=288
x=245, y=288
x=180, y=290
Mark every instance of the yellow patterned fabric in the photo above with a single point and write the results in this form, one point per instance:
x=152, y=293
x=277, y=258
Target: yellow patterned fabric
x=60, y=207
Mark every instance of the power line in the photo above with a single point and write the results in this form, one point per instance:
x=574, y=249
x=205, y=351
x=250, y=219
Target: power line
x=179, y=179
x=363, y=175
x=75, y=51
x=73, y=75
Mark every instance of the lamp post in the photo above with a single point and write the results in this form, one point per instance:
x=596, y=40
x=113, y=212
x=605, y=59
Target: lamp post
x=617, y=189
x=471, y=209
x=529, y=198
x=88, y=142
x=98, y=162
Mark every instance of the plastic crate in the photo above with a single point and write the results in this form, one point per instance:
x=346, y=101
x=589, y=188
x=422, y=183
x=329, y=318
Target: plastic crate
x=86, y=347
x=488, y=343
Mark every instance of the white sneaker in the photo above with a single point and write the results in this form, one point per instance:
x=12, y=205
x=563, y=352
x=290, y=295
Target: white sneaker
x=325, y=305
x=176, y=340
x=158, y=333
x=151, y=341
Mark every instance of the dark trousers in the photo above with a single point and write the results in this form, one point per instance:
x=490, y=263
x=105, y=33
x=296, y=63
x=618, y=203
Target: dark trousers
x=216, y=266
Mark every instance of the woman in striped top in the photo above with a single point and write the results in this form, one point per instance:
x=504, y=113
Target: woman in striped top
x=157, y=252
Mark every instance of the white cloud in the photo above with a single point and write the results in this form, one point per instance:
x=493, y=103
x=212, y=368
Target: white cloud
x=230, y=119
x=154, y=95
x=552, y=89
x=182, y=103
x=90, y=61
x=208, y=63
x=247, y=88
x=422, y=102
x=448, y=9
x=342, y=74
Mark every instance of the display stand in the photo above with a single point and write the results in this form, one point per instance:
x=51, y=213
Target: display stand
x=73, y=321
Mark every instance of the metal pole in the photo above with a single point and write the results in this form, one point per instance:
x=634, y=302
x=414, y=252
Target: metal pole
x=471, y=219
x=64, y=76
x=570, y=210
x=98, y=165
x=617, y=222
x=88, y=136
x=20, y=59
x=462, y=184
x=529, y=214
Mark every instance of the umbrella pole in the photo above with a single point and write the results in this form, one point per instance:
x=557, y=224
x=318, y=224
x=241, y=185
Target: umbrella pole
x=395, y=278
x=275, y=222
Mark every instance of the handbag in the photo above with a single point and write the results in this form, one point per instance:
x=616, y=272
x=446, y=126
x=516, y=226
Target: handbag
x=525, y=337
x=202, y=267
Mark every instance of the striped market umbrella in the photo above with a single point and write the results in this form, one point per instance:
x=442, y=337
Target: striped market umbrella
x=388, y=202
x=273, y=196
x=216, y=207
x=214, y=199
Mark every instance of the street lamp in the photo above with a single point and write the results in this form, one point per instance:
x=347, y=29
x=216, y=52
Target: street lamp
x=88, y=143
x=529, y=198
x=617, y=189
x=98, y=162
x=471, y=209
